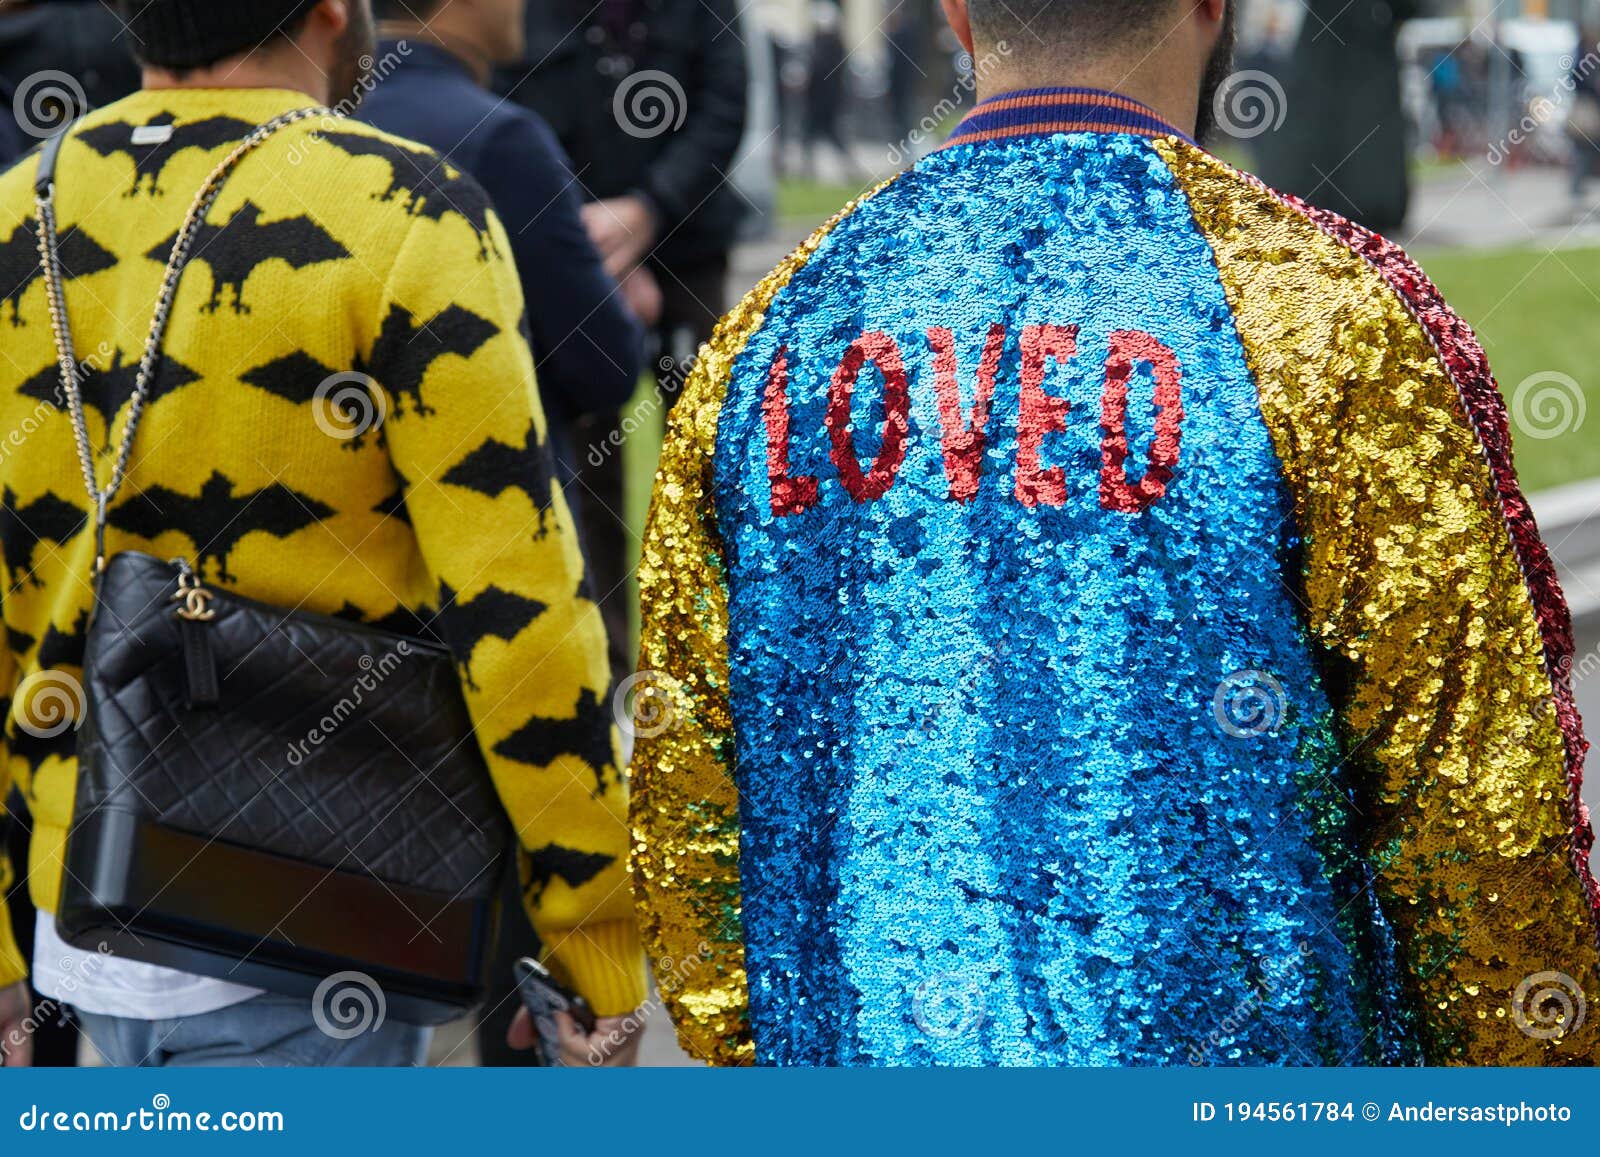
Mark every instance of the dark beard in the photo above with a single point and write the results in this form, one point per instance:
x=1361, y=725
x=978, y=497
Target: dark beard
x=1218, y=69
x=353, y=64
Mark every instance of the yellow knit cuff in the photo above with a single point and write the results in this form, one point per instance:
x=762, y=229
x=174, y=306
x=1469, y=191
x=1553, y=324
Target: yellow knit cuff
x=605, y=963
x=13, y=967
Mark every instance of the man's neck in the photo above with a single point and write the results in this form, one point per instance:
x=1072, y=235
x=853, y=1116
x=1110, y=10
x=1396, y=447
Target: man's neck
x=473, y=56
x=295, y=74
x=1171, y=93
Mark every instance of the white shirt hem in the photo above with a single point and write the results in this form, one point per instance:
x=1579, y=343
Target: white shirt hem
x=109, y=985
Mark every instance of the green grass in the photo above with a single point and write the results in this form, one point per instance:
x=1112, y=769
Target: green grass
x=809, y=203
x=640, y=452
x=1431, y=167
x=1536, y=313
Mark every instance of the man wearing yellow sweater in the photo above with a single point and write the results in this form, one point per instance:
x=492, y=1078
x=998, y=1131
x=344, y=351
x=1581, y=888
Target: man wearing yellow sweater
x=324, y=256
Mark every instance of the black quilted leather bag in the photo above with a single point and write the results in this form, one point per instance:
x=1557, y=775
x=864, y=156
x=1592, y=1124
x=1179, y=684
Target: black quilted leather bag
x=269, y=797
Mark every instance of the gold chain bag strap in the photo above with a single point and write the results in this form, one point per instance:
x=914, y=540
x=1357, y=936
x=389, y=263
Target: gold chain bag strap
x=100, y=498
x=250, y=804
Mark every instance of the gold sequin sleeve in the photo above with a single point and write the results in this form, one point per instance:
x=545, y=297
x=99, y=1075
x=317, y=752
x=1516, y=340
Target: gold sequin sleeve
x=1424, y=581
x=685, y=799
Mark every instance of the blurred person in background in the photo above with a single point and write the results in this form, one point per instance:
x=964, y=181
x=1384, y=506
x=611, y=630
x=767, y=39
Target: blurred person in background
x=827, y=89
x=909, y=33
x=1086, y=586
x=1342, y=141
x=450, y=525
x=60, y=58
x=1583, y=122
x=587, y=343
x=1446, y=86
x=648, y=98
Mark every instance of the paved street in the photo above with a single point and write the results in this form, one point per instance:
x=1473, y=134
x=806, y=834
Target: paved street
x=1481, y=206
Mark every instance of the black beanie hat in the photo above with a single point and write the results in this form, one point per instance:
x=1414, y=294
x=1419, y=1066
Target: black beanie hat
x=185, y=34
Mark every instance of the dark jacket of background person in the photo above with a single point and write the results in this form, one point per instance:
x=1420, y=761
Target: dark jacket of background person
x=81, y=39
x=587, y=347
x=1342, y=141
x=1585, y=117
x=585, y=74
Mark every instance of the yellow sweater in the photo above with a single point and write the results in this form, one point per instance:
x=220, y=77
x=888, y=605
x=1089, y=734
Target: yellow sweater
x=333, y=248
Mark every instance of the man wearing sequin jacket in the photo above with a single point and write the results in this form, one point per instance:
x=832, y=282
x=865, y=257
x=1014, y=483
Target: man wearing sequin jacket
x=1091, y=618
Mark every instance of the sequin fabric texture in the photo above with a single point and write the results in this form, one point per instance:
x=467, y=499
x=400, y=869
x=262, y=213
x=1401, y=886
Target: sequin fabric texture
x=1100, y=627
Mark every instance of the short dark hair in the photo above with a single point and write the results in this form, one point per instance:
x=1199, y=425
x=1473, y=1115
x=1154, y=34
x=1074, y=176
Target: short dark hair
x=1092, y=25
x=405, y=9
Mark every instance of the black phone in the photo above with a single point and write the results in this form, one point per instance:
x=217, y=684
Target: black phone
x=545, y=996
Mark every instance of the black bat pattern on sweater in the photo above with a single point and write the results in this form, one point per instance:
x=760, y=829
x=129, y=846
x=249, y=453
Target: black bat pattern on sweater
x=425, y=181
x=150, y=161
x=575, y=867
x=293, y=377
x=80, y=256
x=495, y=467
x=238, y=247
x=20, y=642
x=404, y=351
x=586, y=736
x=47, y=518
x=107, y=391
x=493, y=613
x=64, y=648
x=217, y=518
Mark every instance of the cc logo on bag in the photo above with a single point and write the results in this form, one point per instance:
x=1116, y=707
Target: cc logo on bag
x=196, y=600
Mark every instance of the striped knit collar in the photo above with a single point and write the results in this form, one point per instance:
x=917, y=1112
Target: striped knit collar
x=1042, y=111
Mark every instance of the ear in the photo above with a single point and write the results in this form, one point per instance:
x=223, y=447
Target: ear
x=1213, y=10
x=333, y=16
x=955, y=11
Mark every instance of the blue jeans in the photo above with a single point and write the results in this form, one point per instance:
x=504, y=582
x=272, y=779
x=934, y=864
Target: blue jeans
x=271, y=1030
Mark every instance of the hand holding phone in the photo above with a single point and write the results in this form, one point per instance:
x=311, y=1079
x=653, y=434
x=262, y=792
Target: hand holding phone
x=545, y=996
